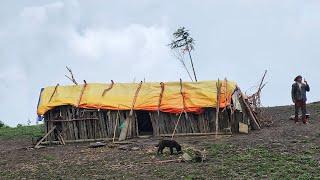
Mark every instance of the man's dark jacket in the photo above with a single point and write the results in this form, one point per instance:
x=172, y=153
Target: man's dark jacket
x=299, y=94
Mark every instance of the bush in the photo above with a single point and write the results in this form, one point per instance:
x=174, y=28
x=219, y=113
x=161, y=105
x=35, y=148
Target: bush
x=2, y=124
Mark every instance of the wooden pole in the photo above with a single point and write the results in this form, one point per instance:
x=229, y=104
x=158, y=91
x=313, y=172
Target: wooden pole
x=124, y=130
x=116, y=125
x=55, y=90
x=175, y=127
x=44, y=137
x=82, y=91
x=160, y=97
x=108, y=88
x=218, y=106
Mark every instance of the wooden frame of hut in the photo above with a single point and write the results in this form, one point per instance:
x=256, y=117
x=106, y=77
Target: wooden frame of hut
x=70, y=116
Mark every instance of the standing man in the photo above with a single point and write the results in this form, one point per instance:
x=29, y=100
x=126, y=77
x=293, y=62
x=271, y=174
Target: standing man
x=299, y=97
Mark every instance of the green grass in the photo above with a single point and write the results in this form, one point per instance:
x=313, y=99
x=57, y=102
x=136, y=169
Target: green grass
x=261, y=162
x=21, y=132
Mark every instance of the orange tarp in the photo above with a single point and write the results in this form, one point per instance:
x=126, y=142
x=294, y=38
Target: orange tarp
x=191, y=97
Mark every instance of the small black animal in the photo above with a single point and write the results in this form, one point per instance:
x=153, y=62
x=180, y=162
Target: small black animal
x=170, y=144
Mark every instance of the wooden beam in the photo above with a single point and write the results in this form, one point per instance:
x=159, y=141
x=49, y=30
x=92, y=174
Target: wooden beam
x=195, y=134
x=64, y=120
x=78, y=141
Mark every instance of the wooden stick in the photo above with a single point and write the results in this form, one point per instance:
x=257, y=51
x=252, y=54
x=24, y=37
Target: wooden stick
x=44, y=137
x=108, y=89
x=55, y=90
x=116, y=125
x=261, y=83
x=165, y=161
x=160, y=97
x=195, y=134
x=124, y=130
x=72, y=77
x=218, y=106
x=175, y=128
x=82, y=91
x=78, y=141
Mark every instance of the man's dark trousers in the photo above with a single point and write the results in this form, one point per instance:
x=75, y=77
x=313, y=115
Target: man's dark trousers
x=300, y=104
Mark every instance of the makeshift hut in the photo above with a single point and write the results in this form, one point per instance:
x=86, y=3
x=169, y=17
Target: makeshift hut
x=119, y=111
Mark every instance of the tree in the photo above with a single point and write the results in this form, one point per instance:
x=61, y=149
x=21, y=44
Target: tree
x=2, y=124
x=184, y=43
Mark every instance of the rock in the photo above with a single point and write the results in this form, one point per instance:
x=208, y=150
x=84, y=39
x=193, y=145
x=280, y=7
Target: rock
x=135, y=148
x=186, y=157
x=123, y=147
x=243, y=128
x=97, y=144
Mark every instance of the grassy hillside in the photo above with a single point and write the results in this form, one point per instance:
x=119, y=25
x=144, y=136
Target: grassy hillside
x=21, y=132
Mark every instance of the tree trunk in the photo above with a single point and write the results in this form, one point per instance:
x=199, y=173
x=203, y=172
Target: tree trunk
x=194, y=72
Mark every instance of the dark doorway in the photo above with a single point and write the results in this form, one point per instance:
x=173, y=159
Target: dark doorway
x=144, y=123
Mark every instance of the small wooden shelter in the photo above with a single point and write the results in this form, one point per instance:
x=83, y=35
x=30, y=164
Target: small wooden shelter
x=119, y=111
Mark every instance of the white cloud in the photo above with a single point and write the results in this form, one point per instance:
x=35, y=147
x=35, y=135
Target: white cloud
x=105, y=40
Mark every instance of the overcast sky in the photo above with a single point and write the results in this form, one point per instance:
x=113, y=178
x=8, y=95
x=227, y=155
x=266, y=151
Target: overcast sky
x=127, y=40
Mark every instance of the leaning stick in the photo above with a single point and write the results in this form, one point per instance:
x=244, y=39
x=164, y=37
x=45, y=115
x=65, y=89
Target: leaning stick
x=44, y=137
x=55, y=90
x=175, y=127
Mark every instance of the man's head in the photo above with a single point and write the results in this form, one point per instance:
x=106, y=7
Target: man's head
x=298, y=79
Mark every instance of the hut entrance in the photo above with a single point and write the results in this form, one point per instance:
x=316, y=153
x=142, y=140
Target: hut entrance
x=144, y=123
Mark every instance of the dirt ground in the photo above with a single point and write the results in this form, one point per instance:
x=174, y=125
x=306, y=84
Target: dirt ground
x=284, y=150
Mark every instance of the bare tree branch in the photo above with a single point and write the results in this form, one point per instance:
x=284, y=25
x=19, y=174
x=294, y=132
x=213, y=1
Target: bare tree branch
x=72, y=77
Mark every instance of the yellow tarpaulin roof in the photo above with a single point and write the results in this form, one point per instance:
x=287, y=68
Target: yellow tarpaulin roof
x=167, y=97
